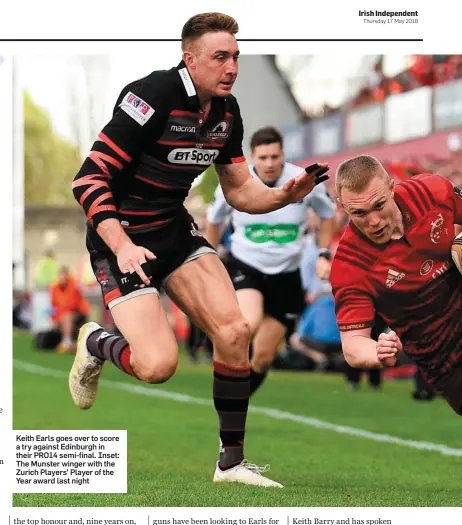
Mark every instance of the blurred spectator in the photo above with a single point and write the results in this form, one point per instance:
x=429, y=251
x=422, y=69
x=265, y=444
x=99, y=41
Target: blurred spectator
x=83, y=274
x=306, y=115
x=328, y=110
x=70, y=308
x=456, y=61
x=365, y=96
x=311, y=283
x=22, y=312
x=197, y=340
x=354, y=375
x=424, y=70
x=46, y=270
x=393, y=86
x=317, y=336
x=374, y=375
x=377, y=76
x=442, y=73
x=421, y=69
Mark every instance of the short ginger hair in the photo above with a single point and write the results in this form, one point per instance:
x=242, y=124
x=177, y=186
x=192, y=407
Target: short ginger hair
x=356, y=173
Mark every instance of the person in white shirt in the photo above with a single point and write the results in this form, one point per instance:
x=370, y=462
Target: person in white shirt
x=266, y=249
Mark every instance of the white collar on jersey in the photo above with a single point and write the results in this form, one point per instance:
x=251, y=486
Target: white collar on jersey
x=189, y=86
x=187, y=80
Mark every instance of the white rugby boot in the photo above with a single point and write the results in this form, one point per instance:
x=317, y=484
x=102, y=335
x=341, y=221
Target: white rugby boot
x=85, y=372
x=246, y=473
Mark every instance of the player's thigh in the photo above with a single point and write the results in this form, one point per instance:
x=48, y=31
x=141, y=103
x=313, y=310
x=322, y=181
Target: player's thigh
x=268, y=337
x=251, y=304
x=203, y=289
x=144, y=324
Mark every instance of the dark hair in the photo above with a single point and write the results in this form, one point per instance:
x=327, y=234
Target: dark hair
x=203, y=23
x=266, y=135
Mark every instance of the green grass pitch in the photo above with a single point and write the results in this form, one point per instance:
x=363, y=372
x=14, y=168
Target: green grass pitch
x=173, y=444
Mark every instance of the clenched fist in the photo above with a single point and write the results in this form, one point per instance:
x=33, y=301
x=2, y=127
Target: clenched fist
x=388, y=347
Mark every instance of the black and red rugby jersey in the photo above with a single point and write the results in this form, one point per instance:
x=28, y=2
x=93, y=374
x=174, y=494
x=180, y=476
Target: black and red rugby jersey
x=142, y=165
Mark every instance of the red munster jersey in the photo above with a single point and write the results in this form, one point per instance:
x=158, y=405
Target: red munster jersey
x=411, y=282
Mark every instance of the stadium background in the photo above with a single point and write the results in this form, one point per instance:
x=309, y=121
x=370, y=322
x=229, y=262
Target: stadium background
x=327, y=110
x=406, y=110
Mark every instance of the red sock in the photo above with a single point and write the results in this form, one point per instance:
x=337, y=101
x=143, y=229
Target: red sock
x=125, y=361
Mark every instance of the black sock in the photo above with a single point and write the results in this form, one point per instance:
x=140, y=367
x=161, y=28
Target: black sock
x=112, y=348
x=231, y=398
x=353, y=375
x=375, y=377
x=256, y=380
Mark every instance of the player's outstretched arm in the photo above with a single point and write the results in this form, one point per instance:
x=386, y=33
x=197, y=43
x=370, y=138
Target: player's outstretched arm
x=248, y=194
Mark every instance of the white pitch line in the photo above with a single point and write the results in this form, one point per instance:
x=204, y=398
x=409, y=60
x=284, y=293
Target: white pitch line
x=270, y=412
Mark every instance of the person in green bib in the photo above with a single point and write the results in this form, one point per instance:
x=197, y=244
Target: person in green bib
x=46, y=270
x=266, y=249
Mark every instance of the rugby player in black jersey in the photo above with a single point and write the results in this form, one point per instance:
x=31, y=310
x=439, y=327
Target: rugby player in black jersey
x=166, y=129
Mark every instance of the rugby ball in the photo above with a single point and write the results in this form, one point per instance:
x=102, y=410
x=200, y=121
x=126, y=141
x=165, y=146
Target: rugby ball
x=456, y=252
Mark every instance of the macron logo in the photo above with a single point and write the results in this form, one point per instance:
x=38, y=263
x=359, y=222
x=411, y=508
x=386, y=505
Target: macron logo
x=393, y=277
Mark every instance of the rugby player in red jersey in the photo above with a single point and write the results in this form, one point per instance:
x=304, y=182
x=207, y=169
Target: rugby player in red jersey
x=395, y=260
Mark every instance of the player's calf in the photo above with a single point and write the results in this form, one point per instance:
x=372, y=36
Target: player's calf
x=231, y=387
x=261, y=361
x=231, y=392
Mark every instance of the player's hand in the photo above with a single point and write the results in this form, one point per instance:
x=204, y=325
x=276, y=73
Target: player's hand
x=323, y=267
x=299, y=187
x=130, y=258
x=388, y=347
